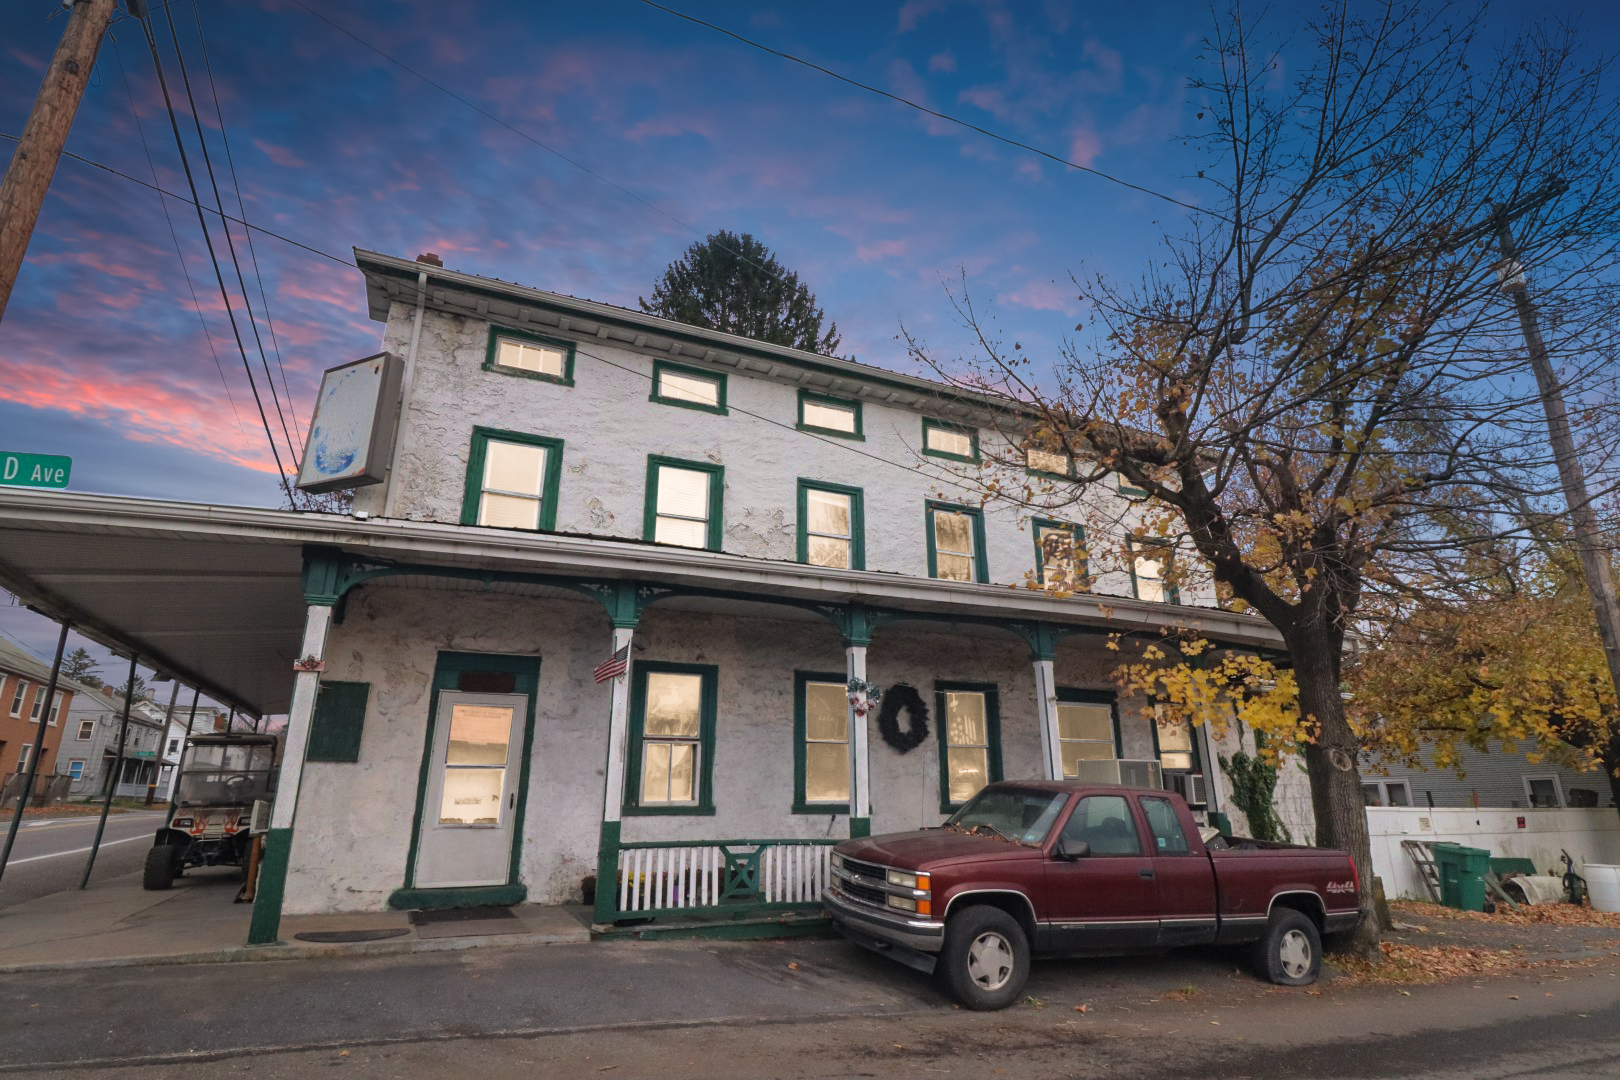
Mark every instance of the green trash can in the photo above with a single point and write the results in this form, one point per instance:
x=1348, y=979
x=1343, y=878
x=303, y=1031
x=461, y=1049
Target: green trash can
x=1462, y=875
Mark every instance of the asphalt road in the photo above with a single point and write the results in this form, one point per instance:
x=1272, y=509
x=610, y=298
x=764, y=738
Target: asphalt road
x=790, y=1010
x=49, y=855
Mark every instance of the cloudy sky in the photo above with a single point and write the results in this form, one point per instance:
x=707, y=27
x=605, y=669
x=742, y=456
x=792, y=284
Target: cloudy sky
x=117, y=350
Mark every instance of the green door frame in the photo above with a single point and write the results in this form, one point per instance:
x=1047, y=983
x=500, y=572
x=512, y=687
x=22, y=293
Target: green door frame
x=447, y=674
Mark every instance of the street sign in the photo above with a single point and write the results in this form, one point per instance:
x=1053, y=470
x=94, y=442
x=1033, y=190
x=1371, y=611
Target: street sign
x=34, y=470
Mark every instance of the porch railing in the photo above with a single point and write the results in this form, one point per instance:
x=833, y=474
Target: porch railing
x=720, y=876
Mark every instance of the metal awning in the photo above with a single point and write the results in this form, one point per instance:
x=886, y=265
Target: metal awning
x=213, y=596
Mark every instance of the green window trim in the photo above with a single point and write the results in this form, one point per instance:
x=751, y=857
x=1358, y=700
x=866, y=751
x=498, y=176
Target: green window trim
x=716, y=377
x=857, y=520
x=1197, y=751
x=1172, y=595
x=853, y=404
x=992, y=734
x=1076, y=696
x=800, y=680
x=1082, y=567
x=981, y=564
x=708, y=711
x=336, y=727
x=717, y=495
x=930, y=424
x=492, y=353
x=1127, y=489
x=551, y=483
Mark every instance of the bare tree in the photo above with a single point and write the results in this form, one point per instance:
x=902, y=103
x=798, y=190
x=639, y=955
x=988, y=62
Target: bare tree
x=1319, y=389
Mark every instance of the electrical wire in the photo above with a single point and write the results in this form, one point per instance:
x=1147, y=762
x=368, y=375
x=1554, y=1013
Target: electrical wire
x=175, y=236
x=230, y=244
x=219, y=276
x=930, y=112
x=253, y=254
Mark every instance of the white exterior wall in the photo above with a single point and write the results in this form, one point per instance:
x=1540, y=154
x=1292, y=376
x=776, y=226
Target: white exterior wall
x=1590, y=836
x=609, y=427
x=352, y=837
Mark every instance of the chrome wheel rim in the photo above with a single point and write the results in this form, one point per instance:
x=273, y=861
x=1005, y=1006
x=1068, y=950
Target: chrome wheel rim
x=1295, y=954
x=990, y=961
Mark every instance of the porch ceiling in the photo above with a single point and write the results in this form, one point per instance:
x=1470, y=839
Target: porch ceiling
x=212, y=594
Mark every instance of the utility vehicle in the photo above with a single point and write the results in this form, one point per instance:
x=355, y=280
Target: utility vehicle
x=210, y=819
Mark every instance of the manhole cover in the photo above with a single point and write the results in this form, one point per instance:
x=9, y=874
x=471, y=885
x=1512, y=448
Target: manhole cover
x=337, y=937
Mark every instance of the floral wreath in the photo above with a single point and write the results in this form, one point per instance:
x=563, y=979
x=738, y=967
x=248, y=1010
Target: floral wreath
x=915, y=733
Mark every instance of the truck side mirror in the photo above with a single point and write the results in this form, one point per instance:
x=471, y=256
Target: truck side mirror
x=1069, y=849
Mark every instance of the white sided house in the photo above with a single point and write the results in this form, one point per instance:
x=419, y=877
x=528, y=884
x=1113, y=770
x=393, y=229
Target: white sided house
x=758, y=534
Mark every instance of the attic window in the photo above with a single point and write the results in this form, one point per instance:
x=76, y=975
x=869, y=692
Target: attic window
x=512, y=352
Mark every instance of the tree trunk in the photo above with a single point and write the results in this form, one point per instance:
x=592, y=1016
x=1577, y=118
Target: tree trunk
x=1610, y=760
x=1330, y=761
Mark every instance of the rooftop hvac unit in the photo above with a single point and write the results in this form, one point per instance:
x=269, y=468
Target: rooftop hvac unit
x=1114, y=771
x=1193, y=787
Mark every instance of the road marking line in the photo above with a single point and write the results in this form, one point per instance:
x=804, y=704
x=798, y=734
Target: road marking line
x=75, y=851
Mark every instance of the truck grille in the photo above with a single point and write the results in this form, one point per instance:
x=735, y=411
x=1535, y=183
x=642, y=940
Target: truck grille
x=864, y=881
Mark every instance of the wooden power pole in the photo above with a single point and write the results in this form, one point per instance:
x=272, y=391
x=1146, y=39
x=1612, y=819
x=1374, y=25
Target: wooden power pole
x=33, y=163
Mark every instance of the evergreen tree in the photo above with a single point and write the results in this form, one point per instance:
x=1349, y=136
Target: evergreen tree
x=80, y=666
x=733, y=283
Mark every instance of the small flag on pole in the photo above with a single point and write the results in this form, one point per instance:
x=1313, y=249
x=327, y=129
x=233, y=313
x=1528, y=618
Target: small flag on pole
x=613, y=666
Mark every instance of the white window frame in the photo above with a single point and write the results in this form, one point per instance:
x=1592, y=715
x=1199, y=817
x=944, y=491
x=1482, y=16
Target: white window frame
x=561, y=353
x=18, y=696
x=39, y=705
x=56, y=708
x=22, y=757
x=1558, y=791
x=78, y=763
x=86, y=735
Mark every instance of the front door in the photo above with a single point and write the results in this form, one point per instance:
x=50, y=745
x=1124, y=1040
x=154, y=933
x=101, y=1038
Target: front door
x=1106, y=899
x=470, y=809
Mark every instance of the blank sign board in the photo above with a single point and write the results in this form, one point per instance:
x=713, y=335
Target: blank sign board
x=352, y=431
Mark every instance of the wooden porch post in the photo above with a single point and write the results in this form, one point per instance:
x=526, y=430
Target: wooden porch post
x=1046, y=702
x=622, y=609
x=860, y=771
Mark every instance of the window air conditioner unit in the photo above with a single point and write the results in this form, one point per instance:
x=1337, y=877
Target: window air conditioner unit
x=1193, y=787
x=1116, y=771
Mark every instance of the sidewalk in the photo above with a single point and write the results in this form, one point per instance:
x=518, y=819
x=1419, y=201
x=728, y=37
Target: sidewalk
x=116, y=923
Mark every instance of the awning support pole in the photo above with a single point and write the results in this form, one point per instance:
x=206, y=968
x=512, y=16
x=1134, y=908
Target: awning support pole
x=607, y=848
x=1046, y=701
x=266, y=925
x=185, y=741
x=39, y=750
x=113, y=777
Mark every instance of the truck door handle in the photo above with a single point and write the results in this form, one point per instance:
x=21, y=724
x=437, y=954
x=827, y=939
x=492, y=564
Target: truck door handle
x=1145, y=872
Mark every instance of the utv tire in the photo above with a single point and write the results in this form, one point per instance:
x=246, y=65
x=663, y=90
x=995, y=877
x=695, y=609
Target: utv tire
x=985, y=961
x=162, y=867
x=1290, y=953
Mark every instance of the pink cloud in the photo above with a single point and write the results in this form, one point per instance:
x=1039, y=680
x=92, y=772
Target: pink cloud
x=281, y=155
x=913, y=12
x=1084, y=147
x=1042, y=296
x=942, y=61
x=882, y=249
x=656, y=126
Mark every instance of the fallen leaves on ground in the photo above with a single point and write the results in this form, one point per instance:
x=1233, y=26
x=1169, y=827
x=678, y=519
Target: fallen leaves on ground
x=1429, y=963
x=1537, y=915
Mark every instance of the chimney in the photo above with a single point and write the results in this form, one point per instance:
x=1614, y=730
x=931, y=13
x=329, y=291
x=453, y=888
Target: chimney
x=431, y=259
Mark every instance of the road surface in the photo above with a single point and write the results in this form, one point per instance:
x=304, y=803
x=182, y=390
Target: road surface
x=49, y=855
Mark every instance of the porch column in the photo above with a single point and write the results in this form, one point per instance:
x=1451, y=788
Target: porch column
x=272, y=885
x=1046, y=702
x=607, y=850
x=860, y=766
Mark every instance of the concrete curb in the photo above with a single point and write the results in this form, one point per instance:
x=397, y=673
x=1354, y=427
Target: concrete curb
x=301, y=950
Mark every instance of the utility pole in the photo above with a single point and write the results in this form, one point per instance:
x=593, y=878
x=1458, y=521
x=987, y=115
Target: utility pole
x=33, y=163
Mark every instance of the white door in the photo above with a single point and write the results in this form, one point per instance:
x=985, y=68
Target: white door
x=469, y=813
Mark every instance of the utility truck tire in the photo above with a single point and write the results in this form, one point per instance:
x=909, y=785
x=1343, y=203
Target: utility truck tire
x=162, y=867
x=985, y=961
x=1290, y=953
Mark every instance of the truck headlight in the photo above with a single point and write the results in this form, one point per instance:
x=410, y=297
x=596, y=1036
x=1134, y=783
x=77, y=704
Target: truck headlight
x=837, y=860
x=902, y=879
x=902, y=903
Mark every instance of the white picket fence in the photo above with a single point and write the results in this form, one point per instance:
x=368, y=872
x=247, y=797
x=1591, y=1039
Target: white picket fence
x=721, y=875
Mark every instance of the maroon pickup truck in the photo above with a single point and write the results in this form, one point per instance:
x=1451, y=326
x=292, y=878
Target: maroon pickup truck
x=1049, y=868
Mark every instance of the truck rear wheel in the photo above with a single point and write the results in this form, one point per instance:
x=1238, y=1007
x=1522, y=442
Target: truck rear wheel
x=985, y=961
x=1290, y=953
x=162, y=867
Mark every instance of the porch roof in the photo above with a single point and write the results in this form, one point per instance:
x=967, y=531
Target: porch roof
x=213, y=596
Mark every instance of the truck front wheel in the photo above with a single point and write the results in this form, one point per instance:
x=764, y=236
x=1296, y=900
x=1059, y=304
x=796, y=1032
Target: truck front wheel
x=1290, y=953
x=985, y=961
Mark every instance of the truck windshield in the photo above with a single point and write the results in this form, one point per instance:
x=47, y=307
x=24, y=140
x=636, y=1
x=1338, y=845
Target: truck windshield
x=1024, y=817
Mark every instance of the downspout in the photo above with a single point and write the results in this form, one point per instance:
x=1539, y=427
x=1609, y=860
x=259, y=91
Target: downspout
x=408, y=383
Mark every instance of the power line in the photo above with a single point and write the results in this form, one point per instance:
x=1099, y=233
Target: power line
x=175, y=236
x=930, y=112
x=253, y=254
x=230, y=244
x=219, y=275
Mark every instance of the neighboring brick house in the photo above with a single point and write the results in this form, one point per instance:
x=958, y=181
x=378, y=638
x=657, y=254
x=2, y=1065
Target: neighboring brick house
x=89, y=743
x=23, y=678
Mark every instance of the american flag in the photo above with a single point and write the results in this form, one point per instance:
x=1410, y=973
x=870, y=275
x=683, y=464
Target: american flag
x=613, y=666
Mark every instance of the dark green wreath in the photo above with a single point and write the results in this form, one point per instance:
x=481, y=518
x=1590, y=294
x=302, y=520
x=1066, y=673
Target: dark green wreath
x=896, y=698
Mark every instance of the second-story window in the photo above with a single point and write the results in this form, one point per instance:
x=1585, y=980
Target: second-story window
x=1150, y=572
x=831, y=415
x=684, y=502
x=512, y=480
x=512, y=352
x=17, y=698
x=690, y=388
x=1060, y=556
x=56, y=708
x=956, y=543
x=946, y=440
x=87, y=728
x=39, y=704
x=1045, y=461
x=831, y=523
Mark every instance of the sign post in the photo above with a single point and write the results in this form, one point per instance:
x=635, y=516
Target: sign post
x=34, y=470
